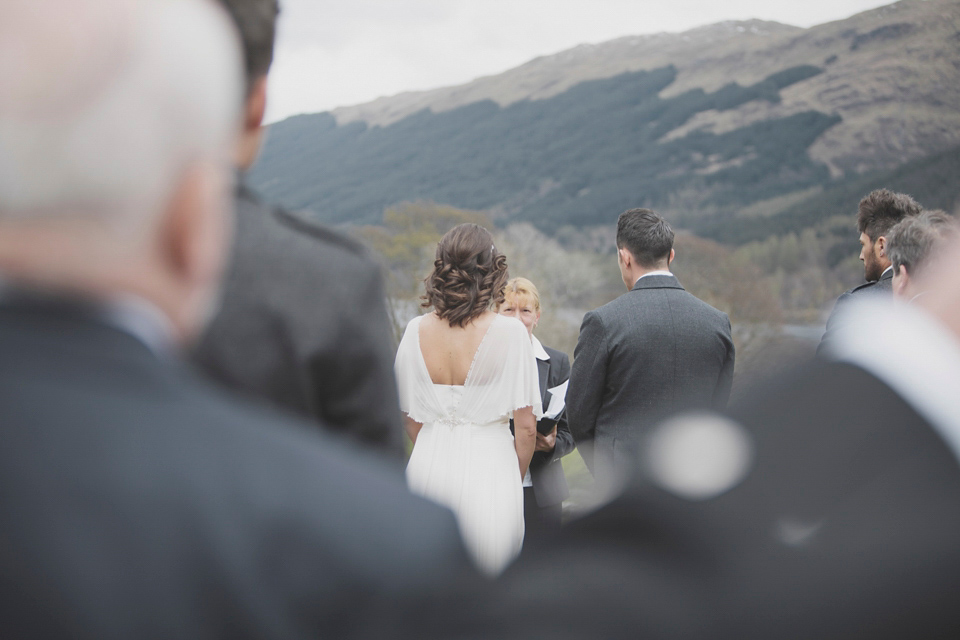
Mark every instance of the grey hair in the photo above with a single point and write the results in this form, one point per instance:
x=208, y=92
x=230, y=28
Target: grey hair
x=105, y=103
x=914, y=239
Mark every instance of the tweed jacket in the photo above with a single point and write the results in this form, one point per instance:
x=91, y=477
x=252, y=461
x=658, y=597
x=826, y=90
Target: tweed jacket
x=650, y=353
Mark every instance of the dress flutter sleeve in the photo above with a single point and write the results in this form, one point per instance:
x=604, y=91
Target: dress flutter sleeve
x=504, y=374
x=413, y=382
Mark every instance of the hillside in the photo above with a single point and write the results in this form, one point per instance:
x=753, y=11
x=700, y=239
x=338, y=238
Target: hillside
x=737, y=130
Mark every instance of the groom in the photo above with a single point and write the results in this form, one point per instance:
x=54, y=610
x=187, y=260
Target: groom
x=648, y=354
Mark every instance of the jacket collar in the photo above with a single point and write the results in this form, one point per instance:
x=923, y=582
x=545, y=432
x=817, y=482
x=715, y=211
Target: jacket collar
x=132, y=315
x=657, y=282
x=538, y=350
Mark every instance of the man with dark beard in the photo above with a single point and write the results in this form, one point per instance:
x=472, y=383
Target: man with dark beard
x=877, y=214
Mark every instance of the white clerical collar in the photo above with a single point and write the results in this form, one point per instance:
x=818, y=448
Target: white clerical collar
x=653, y=273
x=890, y=268
x=538, y=349
x=910, y=351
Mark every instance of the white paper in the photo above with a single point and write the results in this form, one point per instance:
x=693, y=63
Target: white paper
x=558, y=397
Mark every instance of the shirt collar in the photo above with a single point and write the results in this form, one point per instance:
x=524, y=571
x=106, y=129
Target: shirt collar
x=911, y=352
x=143, y=320
x=538, y=349
x=884, y=272
x=653, y=273
x=129, y=313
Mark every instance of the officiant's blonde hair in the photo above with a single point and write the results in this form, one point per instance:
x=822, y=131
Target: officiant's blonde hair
x=522, y=288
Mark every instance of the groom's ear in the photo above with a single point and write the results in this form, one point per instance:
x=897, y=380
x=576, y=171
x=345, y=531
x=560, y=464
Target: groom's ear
x=625, y=257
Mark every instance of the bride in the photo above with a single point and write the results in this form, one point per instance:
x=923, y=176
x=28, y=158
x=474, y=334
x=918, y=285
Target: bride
x=463, y=371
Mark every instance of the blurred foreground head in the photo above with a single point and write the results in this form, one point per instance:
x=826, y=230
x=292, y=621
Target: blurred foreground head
x=117, y=122
x=940, y=279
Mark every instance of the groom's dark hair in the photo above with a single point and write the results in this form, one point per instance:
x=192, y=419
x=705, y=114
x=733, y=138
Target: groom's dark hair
x=646, y=235
x=256, y=22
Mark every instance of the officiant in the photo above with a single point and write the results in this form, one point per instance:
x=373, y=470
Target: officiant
x=545, y=486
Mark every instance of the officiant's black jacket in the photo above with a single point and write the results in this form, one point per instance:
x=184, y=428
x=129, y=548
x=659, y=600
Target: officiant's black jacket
x=303, y=325
x=845, y=526
x=546, y=471
x=138, y=502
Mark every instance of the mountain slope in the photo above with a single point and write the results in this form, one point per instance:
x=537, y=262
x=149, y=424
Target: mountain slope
x=703, y=125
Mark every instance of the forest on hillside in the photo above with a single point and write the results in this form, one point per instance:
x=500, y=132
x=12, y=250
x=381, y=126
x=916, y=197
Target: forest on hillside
x=578, y=158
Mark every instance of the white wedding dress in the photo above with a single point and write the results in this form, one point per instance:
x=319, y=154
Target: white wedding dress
x=465, y=457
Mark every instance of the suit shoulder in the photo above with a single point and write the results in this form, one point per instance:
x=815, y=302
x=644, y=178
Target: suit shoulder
x=266, y=229
x=320, y=233
x=859, y=289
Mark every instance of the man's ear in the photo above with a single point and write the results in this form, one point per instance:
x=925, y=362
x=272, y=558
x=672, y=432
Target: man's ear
x=251, y=134
x=195, y=229
x=625, y=257
x=903, y=280
x=673, y=254
x=256, y=105
x=880, y=247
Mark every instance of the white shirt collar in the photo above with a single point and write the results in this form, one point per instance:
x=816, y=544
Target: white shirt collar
x=884, y=272
x=538, y=349
x=910, y=351
x=143, y=320
x=136, y=316
x=653, y=273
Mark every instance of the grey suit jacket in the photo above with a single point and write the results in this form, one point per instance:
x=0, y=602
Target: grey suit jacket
x=304, y=326
x=883, y=287
x=650, y=353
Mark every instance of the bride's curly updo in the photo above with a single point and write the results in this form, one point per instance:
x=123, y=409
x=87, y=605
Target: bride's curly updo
x=468, y=275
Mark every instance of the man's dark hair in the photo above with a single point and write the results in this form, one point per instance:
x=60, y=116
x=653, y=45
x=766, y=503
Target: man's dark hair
x=646, y=235
x=880, y=210
x=256, y=21
x=913, y=240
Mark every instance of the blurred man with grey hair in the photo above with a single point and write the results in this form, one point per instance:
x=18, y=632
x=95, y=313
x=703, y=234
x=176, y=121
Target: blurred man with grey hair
x=912, y=242
x=303, y=323
x=134, y=500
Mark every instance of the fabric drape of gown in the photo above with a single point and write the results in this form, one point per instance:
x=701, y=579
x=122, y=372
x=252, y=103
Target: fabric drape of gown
x=465, y=457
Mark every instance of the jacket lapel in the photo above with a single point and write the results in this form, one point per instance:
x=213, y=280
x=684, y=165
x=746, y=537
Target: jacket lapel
x=543, y=367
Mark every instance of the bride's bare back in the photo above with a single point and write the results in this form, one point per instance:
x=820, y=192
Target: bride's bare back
x=448, y=351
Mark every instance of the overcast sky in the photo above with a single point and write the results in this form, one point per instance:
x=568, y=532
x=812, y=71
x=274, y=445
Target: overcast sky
x=334, y=53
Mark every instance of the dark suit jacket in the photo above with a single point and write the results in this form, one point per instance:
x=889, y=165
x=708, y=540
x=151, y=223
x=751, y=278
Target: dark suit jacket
x=883, y=287
x=138, y=502
x=546, y=471
x=845, y=526
x=651, y=352
x=303, y=325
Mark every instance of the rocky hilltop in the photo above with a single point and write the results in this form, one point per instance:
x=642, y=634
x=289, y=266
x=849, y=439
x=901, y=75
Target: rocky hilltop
x=892, y=75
